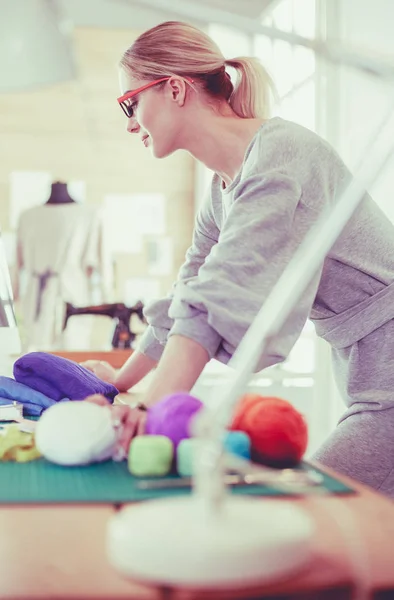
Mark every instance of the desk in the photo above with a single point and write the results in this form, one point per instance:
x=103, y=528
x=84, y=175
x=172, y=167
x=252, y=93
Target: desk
x=59, y=552
x=116, y=358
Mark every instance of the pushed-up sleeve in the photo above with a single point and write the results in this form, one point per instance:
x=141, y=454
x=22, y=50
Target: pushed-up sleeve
x=265, y=224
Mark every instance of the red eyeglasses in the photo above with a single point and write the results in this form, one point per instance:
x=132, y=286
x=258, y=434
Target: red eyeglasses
x=125, y=101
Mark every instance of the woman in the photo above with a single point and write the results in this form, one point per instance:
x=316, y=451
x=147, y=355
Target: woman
x=272, y=179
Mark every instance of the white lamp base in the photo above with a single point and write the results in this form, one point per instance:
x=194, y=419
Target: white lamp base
x=175, y=541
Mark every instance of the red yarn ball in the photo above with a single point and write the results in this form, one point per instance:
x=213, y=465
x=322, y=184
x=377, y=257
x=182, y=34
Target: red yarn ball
x=278, y=432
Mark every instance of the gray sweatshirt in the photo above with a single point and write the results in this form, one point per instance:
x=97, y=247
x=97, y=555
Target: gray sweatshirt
x=244, y=237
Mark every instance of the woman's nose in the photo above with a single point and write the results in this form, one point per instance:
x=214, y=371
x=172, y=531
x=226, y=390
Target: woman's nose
x=133, y=125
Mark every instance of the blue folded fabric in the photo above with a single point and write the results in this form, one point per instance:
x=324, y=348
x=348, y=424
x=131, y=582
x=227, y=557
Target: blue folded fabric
x=60, y=378
x=34, y=403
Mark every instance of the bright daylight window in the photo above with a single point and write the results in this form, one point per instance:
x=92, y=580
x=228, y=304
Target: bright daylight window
x=302, y=376
x=293, y=69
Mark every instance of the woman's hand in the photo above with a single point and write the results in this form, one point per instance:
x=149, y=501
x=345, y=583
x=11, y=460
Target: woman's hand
x=128, y=420
x=102, y=369
x=135, y=368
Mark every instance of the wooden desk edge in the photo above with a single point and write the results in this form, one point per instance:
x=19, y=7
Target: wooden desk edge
x=116, y=358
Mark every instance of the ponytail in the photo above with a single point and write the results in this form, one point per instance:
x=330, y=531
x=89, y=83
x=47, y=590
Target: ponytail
x=251, y=97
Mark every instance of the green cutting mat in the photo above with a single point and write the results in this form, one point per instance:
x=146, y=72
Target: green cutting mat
x=42, y=482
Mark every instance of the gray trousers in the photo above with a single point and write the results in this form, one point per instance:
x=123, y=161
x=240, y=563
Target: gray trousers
x=362, y=447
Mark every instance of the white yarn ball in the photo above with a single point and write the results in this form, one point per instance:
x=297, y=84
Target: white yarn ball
x=76, y=433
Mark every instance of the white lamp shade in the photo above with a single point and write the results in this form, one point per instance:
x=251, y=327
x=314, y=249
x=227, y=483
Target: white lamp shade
x=35, y=46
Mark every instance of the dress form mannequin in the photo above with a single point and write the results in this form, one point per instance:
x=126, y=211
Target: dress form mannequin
x=59, y=194
x=59, y=246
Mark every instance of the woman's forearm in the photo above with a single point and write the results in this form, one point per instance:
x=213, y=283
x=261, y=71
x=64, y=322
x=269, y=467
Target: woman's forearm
x=179, y=368
x=134, y=369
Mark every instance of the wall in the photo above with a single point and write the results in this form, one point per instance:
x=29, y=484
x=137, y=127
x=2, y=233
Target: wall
x=77, y=132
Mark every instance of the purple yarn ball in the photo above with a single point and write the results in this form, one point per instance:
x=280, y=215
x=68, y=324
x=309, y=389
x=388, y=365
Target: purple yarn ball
x=172, y=415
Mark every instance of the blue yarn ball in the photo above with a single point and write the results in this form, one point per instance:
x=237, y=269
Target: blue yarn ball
x=238, y=442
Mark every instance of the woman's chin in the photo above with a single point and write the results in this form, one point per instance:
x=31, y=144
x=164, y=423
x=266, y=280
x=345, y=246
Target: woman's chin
x=161, y=151
x=158, y=153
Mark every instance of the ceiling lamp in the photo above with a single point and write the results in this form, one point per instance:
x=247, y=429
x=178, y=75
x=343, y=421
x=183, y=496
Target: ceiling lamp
x=35, y=45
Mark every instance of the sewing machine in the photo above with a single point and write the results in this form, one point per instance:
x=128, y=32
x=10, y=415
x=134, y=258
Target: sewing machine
x=122, y=337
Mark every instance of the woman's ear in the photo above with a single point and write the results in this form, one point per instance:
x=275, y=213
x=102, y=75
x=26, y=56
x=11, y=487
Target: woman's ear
x=177, y=87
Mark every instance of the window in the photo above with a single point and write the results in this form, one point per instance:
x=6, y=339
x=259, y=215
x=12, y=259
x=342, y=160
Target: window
x=305, y=377
x=293, y=68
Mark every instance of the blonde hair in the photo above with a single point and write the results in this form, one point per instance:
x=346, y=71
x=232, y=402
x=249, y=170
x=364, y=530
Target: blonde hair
x=176, y=48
